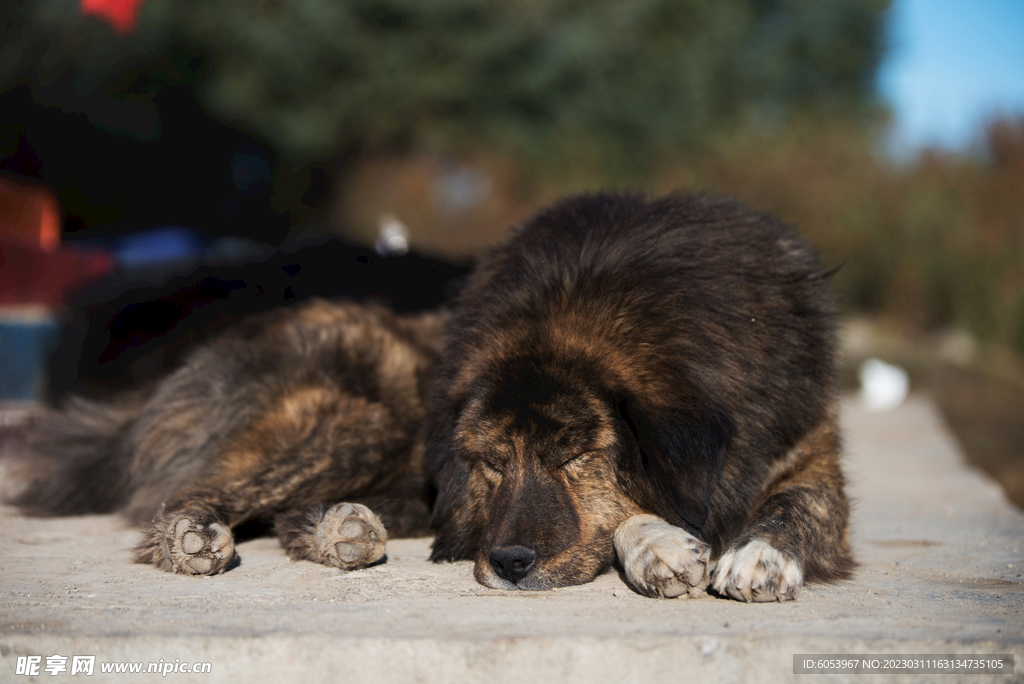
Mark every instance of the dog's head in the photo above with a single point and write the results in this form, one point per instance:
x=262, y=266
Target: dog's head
x=536, y=461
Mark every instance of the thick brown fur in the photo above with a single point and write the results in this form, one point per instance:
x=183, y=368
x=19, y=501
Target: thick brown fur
x=647, y=381
x=275, y=421
x=662, y=368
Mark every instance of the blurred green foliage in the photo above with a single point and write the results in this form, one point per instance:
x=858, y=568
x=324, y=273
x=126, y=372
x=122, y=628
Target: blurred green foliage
x=632, y=79
x=623, y=82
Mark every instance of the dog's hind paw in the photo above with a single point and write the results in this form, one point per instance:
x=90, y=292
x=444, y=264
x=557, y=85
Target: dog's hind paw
x=189, y=543
x=757, y=572
x=350, y=536
x=662, y=560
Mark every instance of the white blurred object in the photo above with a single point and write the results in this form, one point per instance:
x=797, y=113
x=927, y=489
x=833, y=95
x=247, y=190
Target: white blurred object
x=883, y=387
x=392, y=237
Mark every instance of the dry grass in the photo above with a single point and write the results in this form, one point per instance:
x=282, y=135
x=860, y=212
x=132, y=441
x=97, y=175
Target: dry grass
x=935, y=242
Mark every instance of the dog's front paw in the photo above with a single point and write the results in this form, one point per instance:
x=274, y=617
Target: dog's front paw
x=758, y=572
x=350, y=536
x=662, y=560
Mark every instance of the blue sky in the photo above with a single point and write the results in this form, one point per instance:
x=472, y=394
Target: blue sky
x=952, y=64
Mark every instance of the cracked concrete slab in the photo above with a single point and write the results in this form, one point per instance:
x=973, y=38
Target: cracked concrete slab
x=941, y=553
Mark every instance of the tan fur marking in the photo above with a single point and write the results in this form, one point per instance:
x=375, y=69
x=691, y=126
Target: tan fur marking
x=814, y=456
x=604, y=337
x=320, y=314
x=293, y=418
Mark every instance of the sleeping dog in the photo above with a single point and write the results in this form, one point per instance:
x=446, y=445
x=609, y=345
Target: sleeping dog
x=651, y=382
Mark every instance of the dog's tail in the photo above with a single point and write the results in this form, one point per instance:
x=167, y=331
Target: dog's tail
x=76, y=460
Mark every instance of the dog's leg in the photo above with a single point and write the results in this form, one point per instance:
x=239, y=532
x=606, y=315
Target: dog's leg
x=346, y=535
x=192, y=532
x=661, y=559
x=800, y=531
x=309, y=445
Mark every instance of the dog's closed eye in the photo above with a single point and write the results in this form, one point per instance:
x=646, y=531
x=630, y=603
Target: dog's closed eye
x=576, y=459
x=492, y=467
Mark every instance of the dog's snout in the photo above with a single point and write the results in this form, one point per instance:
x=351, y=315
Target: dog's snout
x=512, y=563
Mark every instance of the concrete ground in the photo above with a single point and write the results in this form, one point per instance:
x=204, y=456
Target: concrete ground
x=941, y=553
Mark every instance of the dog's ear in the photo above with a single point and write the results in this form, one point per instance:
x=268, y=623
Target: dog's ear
x=676, y=459
x=454, y=515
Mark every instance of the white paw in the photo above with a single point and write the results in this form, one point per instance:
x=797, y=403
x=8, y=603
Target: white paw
x=758, y=572
x=661, y=559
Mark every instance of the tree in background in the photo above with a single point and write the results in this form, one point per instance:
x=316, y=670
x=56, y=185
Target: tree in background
x=622, y=82
x=630, y=79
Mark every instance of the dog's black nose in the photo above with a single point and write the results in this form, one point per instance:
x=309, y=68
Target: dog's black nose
x=512, y=563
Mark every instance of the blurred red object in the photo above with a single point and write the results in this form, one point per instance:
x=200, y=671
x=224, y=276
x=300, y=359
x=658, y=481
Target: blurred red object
x=33, y=277
x=29, y=214
x=121, y=14
x=34, y=270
